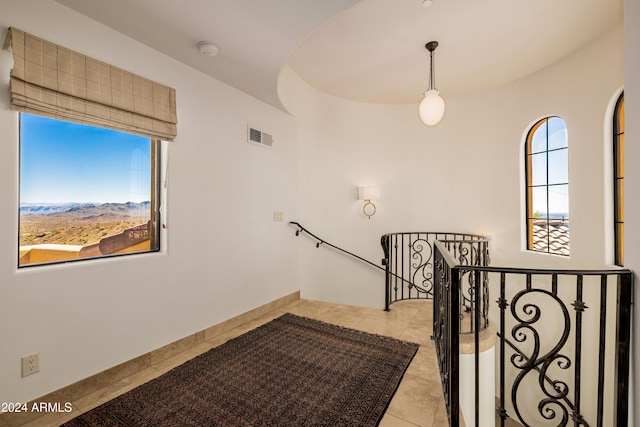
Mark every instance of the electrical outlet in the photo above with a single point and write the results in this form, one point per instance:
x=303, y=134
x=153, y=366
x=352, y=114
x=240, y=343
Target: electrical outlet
x=30, y=364
x=278, y=216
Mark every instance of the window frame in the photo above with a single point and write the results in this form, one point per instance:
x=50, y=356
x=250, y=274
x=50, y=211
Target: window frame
x=618, y=180
x=529, y=187
x=156, y=195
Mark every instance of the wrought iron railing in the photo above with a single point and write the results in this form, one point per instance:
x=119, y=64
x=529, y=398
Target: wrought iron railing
x=408, y=266
x=321, y=242
x=564, y=340
x=409, y=256
x=408, y=261
x=563, y=335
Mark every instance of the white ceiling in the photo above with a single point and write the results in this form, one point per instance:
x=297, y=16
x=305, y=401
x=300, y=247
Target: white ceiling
x=364, y=50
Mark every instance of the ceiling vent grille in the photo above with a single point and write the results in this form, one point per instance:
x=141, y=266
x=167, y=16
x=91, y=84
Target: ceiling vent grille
x=256, y=136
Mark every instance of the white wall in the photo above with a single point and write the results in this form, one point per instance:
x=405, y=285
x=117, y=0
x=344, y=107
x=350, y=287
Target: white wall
x=224, y=255
x=465, y=174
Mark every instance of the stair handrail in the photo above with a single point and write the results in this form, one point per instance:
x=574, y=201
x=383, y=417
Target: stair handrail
x=321, y=241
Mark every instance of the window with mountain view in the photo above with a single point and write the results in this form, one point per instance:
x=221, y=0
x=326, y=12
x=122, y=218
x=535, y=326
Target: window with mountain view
x=547, y=187
x=85, y=192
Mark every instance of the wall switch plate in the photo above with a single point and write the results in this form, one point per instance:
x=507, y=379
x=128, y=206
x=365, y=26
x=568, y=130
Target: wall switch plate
x=278, y=216
x=30, y=365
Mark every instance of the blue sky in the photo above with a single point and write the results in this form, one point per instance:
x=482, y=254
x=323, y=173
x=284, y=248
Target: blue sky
x=62, y=162
x=552, y=136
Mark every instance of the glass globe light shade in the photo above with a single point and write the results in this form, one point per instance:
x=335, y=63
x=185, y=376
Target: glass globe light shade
x=431, y=108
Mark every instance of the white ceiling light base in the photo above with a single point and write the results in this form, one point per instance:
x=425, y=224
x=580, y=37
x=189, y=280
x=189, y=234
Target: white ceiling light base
x=208, y=48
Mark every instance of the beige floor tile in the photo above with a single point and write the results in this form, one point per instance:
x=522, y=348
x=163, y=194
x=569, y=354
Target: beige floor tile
x=391, y=421
x=273, y=314
x=418, y=334
x=311, y=309
x=402, y=313
x=426, y=310
x=423, y=307
x=442, y=419
x=421, y=365
x=414, y=402
x=383, y=324
x=346, y=316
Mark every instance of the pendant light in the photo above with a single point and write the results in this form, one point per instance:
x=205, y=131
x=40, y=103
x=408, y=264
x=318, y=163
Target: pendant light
x=431, y=108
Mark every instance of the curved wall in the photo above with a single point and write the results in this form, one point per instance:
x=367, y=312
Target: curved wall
x=465, y=174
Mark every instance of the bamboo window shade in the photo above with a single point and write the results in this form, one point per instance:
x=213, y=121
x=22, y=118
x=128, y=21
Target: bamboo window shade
x=52, y=81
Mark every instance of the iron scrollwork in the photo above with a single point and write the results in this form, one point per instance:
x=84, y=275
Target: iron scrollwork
x=409, y=262
x=555, y=406
x=422, y=266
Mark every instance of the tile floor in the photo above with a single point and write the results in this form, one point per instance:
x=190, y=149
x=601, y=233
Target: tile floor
x=417, y=402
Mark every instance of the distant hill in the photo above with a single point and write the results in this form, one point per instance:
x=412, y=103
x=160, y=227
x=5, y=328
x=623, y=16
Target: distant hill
x=87, y=210
x=47, y=208
x=78, y=223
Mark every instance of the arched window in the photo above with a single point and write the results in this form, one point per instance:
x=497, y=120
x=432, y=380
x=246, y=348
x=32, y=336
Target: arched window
x=618, y=180
x=547, y=187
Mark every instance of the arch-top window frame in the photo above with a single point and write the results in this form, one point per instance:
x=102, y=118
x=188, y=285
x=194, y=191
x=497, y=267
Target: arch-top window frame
x=547, y=187
x=618, y=180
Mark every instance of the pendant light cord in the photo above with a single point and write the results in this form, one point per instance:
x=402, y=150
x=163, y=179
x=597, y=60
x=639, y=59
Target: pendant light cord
x=432, y=79
x=431, y=47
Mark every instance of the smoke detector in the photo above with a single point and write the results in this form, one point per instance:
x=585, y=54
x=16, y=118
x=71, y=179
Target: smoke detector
x=208, y=48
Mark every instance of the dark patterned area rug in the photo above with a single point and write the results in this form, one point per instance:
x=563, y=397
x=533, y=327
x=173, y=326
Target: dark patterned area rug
x=292, y=371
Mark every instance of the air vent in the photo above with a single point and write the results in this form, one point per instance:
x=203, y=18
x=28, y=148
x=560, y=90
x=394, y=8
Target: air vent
x=256, y=136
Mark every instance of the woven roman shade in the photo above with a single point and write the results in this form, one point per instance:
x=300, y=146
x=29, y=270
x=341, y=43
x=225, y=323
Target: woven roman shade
x=52, y=81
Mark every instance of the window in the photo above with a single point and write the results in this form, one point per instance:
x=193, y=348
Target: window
x=547, y=187
x=85, y=192
x=618, y=180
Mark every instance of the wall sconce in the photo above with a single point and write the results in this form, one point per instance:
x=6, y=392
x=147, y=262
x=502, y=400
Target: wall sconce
x=368, y=194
